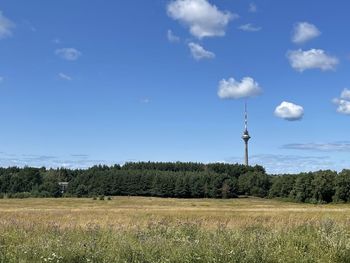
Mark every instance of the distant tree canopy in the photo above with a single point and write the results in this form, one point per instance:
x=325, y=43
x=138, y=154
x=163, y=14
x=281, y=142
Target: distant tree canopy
x=181, y=180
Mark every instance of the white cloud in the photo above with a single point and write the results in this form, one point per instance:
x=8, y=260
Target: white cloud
x=289, y=111
x=343, y=102
x=64, y=76
x=249, y=28
x=324, y=147
x=202, y=18
x=56, y=40
x=275, y=163
x=172, y=37
x=68, y=53
x=304, y=31
x=232, y=89
x=253, y=8
x=343, y=106
x=311, y=59
x=30, y=26
x=145, y=100
x=198, y=52
x=33, y=160
x=345, y=94
x=280, y=164
x=6, y=26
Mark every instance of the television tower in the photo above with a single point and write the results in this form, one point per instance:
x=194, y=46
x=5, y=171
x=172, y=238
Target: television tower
x=245, y=135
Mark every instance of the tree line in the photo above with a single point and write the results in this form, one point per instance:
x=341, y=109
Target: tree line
x=181, y=180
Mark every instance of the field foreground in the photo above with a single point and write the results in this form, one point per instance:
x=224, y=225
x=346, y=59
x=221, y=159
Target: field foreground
x=141, y=229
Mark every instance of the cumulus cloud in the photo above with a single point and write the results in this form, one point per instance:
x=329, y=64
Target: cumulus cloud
x=345, y=94
x=172, y=37
x=249, y=28
x=6, y=26
x=343, y=102
x=70, y=54
x=311, y=59
x=202, y=18
x=64, y=76
x=252, y=8
x=323, y=147
x=343, y=106
x=198, y=52
x=304, y=31
x=289, y=111
x=232, y=89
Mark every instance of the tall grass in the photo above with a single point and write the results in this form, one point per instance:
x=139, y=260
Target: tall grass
x=172, y=238
x=175, y=242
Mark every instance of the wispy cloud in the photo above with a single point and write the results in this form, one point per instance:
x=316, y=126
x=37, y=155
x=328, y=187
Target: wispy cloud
x=64, y=76
x=6, y=26
x=304, y=32
x=145, y=100
x=233, y=89
x=56, y=40
x=80, y=155
x=172, y=37
x=253, y=8
x=202, y=18
x=323, y=147
x=1, y=79
x=24, y=160
x=249, y=28
x=70, y=54
x=199, y=53
x=280, y=164
x=311, y=59
x=30, y=26
x=49, y=161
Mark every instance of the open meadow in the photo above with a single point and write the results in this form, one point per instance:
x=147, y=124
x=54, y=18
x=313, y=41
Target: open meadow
x=142, y=229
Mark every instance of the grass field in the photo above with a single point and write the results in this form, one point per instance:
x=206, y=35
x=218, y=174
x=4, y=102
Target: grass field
x=141, y=229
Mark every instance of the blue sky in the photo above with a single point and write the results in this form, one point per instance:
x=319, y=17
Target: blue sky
x=88, y=82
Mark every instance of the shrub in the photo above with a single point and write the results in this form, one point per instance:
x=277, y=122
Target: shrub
x=20, y=195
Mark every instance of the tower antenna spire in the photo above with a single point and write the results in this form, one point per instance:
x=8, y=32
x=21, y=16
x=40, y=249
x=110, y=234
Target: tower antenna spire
x=245, y=116
x=246, y=135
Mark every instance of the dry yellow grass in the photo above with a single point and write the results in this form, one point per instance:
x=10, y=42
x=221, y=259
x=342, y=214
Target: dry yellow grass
x=139, y=211
x=141, y=229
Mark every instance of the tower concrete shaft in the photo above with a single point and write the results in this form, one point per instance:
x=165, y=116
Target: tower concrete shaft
x=246, y=136
x=246, y=161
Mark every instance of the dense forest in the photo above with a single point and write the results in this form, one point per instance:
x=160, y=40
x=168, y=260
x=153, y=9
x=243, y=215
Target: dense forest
x=181, y=180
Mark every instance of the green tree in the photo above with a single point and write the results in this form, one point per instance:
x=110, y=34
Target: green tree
x=254, y=183
x=81, y=190
x=302, y=189
x=323, y=186
x=342, y=187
